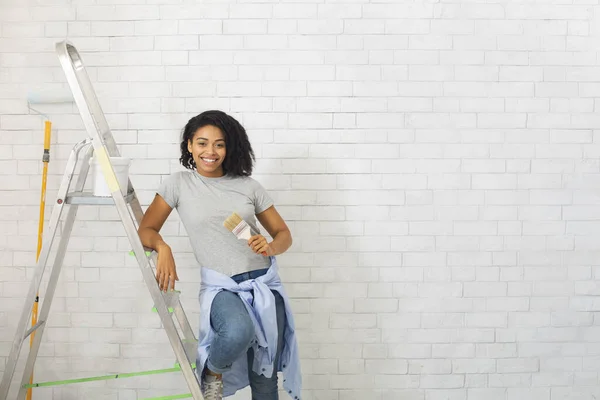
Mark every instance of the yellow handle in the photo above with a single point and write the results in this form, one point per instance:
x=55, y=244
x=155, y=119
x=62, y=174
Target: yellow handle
x=47, y=131
x=45, y=160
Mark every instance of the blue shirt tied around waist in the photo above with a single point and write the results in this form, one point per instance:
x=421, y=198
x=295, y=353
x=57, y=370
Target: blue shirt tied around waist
x=258, y=299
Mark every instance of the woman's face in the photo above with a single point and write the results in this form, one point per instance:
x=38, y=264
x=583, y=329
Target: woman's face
x=208, y=150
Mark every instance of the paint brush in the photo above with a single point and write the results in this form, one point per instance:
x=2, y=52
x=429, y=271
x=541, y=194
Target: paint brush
x=240, y=228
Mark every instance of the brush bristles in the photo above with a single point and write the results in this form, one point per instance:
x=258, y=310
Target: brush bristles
x=232, y=221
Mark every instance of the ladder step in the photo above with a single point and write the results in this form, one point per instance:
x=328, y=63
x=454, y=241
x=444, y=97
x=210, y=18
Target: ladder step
x=33, y=328
x=88, y=198
x=104, y=377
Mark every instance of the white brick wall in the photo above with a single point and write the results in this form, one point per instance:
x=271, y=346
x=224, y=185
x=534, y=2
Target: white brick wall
x=437, y=163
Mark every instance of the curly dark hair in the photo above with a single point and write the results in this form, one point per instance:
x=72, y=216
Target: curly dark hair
x=239, y=158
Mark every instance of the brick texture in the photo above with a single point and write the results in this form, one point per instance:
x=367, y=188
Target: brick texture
x=436, y=161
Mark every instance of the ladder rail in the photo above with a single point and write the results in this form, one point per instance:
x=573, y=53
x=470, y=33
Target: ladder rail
x=163, y=312
x=54, y=276
x=83, y=92
x=23, y=325
x=182, y=319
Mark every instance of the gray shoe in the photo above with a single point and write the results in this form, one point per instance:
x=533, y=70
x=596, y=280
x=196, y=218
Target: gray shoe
x=212, y=387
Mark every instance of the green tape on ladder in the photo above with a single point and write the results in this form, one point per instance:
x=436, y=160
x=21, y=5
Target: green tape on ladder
x=148, y=253
x=104, y=377
x=193, y=365
x=132, y=253
x=154, y=309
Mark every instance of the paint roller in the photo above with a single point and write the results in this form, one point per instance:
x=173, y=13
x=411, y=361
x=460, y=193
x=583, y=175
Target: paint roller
x=41, y=98
x=60, y=96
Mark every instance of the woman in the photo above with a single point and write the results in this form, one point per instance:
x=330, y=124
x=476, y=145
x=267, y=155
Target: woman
x=246, y=326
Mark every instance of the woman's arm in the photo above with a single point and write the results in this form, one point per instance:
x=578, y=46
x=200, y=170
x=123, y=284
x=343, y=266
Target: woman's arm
x=277, y=228
x=153, y=220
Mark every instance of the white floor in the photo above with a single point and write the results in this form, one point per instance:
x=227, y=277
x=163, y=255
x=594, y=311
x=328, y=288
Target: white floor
x=241, y=395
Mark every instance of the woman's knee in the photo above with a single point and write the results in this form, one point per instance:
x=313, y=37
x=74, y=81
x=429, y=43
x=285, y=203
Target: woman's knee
x=239, y=329
x=230, y=319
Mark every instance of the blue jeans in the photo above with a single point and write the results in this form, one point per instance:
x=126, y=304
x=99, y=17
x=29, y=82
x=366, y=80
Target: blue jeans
x=234, y=333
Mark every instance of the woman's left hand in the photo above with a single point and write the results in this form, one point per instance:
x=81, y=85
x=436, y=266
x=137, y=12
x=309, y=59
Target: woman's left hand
x=259, y=245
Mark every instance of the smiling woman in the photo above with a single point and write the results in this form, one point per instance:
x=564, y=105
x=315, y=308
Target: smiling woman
x=208, y=148
x=247, y=331
x=206, y=140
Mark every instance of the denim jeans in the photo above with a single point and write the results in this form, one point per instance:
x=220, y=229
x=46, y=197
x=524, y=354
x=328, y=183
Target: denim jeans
x=234, y=333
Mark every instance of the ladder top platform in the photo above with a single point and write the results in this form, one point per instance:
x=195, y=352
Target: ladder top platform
x=88, y=198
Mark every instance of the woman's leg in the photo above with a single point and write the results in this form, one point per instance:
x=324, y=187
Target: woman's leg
x=234, y=331
x=266, y=388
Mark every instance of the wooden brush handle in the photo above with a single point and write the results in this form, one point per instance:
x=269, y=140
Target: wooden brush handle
x=246, y=234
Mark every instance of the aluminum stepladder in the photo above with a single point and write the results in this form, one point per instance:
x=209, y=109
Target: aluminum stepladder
x=101, y=144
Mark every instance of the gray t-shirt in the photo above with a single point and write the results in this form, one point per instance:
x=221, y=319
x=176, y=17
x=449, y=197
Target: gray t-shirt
x=203, y=205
